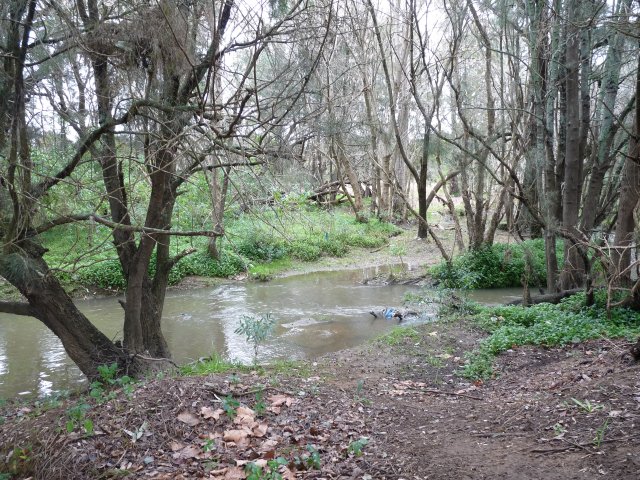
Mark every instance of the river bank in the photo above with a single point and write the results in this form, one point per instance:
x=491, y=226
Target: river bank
x=394, y=408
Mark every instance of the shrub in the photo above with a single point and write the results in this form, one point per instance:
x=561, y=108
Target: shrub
x=104, y=274
x=304, y=250
x=108, y=274
x=259, y=246
x=496, y=266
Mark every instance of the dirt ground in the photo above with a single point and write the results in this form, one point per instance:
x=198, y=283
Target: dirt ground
x=377, y=412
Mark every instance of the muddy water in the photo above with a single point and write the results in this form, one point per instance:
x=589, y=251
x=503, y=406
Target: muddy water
x=315, y=313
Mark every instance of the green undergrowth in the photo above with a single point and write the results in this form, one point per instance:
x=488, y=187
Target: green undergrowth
x=291, y=368
x=498, y=266
x=545, y=325
x=261, y=243
x=214, y=364
x=398, y=336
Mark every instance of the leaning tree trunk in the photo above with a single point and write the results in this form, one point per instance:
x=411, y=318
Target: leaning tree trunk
x=87, y=346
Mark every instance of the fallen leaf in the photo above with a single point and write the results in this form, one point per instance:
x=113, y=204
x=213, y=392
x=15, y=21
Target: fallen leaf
x=188, y=418
x=287, y=474
x=245, y=416
x=239, y=437
x=209, y=412
x=267, y=445
x=175, y=446
x=279, y=400
x=260, y=430
x=228, y=473
x=190, y=451
x=234, y=473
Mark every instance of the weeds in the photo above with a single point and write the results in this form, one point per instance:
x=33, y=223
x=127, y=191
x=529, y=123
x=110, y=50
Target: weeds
x=496, y=266
x=546, y=325
x=358, y=397
x=108, y=379
x=77, y=418
x=600, y=431
x=230, y=406
x=268, y=472
x=586, y=406
x=355, y=448
x=260, y=407
x=310, y=461
x=398, y=336
x=214, y=364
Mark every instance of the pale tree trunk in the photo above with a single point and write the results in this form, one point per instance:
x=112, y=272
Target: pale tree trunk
x=218, y=191
x=629, y=196
x=606, y=107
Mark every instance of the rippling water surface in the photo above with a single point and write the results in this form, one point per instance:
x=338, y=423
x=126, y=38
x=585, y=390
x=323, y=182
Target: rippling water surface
x=315, y=313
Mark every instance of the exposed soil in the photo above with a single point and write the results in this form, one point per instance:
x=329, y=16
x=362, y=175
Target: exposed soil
x=565, y=413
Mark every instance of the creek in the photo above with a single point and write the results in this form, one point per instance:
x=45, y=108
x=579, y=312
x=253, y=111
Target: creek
x=315, y=313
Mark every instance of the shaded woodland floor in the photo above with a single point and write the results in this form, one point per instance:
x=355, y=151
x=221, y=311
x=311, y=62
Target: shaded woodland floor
x=393, y=409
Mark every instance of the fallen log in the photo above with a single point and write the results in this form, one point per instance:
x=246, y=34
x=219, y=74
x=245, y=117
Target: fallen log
x=549, y=297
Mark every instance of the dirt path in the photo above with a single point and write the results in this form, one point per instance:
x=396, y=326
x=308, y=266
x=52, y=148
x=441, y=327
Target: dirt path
x=389, y=410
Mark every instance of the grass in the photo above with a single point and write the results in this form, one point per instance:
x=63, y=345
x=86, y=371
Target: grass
x=264, y=271
x=291, y=368
x=212, y=365
x=399, y=336
x=545, y=325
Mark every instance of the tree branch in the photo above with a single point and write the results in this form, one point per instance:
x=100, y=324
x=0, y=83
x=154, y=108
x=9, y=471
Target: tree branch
x=17, y=308
x=128, y=228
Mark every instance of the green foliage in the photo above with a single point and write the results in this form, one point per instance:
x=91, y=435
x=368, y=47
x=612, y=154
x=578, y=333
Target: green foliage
x=17, y=462
x=77, y=418
x=600, y=431
x=208, y=445
x=230, y=406
x=586, y=406
x=108, y=378
x=292, y=368
x=105, y=274
x=497, y=266
x=214, y=364
x=108, y=273
x=398, y=336
x=355, y=448
x=309, y=461
x=547, y=325
x=260, y=407
x=269, y=472
x=261, y=240
x=256, y=330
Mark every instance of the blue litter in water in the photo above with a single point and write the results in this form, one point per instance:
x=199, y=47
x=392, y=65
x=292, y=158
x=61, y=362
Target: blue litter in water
x=388, y=313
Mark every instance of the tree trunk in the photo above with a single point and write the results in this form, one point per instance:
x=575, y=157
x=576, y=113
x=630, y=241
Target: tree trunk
x=572, y=274
x=87, y=346
x=629, y=196
x=423, y=228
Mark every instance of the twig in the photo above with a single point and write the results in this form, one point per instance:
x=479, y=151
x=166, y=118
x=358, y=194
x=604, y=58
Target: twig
x=440, y=392
x=499, y=434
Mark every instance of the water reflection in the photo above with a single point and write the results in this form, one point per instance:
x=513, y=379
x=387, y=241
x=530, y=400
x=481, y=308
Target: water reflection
x=315, y=314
